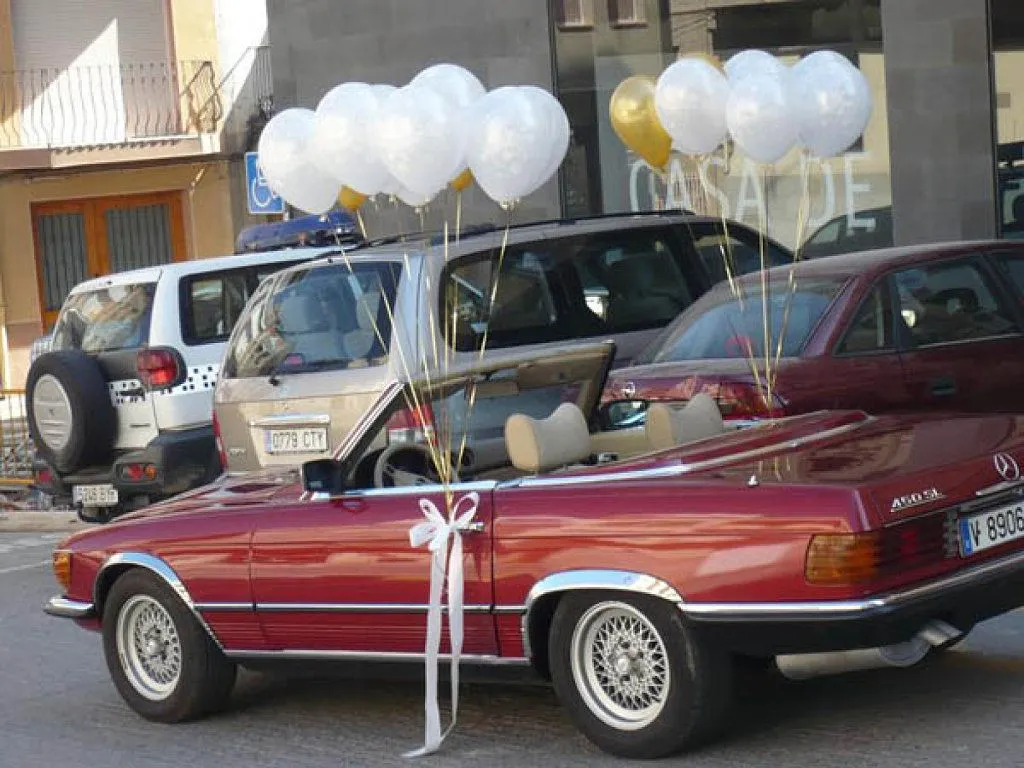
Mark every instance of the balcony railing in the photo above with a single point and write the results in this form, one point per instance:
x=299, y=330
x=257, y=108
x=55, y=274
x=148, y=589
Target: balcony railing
x=115, y=104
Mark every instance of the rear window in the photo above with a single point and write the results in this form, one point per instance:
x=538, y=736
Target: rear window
x=316, y=319
x=106, y=320
x=721, y=326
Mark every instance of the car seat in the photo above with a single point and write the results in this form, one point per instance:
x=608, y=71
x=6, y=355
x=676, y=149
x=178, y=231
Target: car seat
x=668, y=427
x=541, y=445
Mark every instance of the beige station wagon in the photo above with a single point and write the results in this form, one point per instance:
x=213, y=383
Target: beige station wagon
x=319, y=342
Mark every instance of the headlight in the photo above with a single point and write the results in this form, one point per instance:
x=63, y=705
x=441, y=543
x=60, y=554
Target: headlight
x=62, y=568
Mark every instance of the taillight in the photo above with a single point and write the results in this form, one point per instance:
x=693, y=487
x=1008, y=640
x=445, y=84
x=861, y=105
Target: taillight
x=219, y=442
x=411, y=425
x=850, y=559
x=739, y=400
x=159, y=368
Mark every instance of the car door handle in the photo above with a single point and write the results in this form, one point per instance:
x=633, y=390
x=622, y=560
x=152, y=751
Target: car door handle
x=944, y=386
x=476, y=526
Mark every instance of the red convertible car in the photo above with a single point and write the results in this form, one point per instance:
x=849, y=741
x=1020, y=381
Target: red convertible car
x=635, y=580
x=932, y=327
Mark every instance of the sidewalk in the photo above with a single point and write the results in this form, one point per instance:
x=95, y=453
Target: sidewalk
x=14, y=520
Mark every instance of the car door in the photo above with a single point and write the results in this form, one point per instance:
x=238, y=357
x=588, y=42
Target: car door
x=339, y=575
x=862, y=369
x=963, y=339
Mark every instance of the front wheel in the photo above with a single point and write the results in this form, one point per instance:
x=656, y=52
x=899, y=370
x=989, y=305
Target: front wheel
x=161, y=660
x=633, y=678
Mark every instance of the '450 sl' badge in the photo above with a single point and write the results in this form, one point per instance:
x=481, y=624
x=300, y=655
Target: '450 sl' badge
x=916, y=499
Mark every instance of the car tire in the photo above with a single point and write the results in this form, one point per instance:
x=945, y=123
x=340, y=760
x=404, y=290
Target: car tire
x=179, y=674
x=69, y=387
x=677, y=690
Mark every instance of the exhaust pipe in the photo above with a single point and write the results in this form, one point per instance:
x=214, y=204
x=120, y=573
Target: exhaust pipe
x=804, y=666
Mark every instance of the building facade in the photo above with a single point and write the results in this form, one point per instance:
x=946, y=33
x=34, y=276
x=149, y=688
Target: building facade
x=935, y=163
x=122, y=124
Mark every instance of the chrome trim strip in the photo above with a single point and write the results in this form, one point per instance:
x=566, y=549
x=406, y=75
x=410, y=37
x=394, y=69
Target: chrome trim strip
x=1005, y=485
x=359, y=608
x=308, y=655
x=683, y=468
x=514, y=609
x=852, y=608
x=69, y=609
x=604, y=579
x=225, y=607
x=162, y=570
x=419, y=490
x=292, y=420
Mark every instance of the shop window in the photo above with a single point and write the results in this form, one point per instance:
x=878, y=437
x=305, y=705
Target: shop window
x=627, y=13
x=575, y=14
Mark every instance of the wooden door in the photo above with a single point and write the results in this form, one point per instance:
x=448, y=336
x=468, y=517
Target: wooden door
x=79, y=239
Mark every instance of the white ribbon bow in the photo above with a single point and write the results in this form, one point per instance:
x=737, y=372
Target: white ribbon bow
x=436, y=531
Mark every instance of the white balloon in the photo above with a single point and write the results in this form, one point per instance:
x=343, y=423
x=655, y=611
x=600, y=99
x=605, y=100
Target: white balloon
x=690, y=99
x=752, y=62
x=832, y=101
x=761, y=118
x=456, y=84
x=558, y=133
x=344, y=141
x=506, y=130
x=419, y=139
x=289, y=166
x=412, y=199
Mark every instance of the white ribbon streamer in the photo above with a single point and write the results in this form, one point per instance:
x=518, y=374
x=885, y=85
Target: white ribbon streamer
x=435, y=532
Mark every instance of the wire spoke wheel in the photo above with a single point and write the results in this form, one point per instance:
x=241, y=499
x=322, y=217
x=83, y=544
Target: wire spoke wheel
x=149, y=647
x=620, y=665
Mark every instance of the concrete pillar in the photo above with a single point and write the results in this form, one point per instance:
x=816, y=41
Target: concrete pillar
x=938, y=67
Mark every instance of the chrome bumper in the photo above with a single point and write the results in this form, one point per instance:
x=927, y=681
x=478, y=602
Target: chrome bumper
x=68, y=609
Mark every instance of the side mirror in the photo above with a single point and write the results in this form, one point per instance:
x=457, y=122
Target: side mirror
x=623, y=414
x=323, y=476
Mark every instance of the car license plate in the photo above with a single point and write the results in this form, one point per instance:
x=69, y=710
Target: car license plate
x=992, y=528
x=94, y=495
x=301, y=440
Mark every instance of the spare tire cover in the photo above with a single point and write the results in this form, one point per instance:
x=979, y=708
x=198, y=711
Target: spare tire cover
x=71, y=417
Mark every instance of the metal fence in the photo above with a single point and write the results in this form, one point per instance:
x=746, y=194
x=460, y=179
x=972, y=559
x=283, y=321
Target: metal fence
x=17, y=452
x=103, y=104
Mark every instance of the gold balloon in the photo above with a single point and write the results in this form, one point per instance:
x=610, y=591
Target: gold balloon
x=711, y=59
x=462, y=181
x=636, y=122
x=351, y=200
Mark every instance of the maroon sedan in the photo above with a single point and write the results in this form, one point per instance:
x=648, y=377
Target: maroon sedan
x=937, y=327
x=635, y=580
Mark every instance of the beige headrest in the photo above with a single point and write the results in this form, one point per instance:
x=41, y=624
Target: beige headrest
x=668, y=427
x=539, y=445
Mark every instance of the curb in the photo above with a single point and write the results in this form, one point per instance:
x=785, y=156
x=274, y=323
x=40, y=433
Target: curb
x=18, y=521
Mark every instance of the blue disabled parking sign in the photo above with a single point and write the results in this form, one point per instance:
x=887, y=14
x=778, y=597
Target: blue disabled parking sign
x=262, y=199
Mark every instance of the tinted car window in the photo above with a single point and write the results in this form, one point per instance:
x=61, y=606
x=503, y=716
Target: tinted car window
x=107, y=319
x=212, y=305
x=722, y=326
x=872, y=327
x=1013, y=266
x=716, y=245
x=948, y=302
x=570, y=288
x=314, y=319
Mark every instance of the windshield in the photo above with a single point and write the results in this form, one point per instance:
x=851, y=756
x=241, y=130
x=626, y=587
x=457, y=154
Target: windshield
x=107, y=319
x=324, y=317
x=722, y=326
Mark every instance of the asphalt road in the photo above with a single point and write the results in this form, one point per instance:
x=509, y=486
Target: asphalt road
x=58, y=707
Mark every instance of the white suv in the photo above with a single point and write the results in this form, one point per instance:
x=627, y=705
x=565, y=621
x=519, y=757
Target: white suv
x=120, y=407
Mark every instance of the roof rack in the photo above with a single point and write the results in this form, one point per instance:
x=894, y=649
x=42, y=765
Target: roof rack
x=436, y=237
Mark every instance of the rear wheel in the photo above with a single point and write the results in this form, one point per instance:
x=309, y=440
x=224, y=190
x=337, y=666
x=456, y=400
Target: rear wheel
x=162, y=662
x=633, y=678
